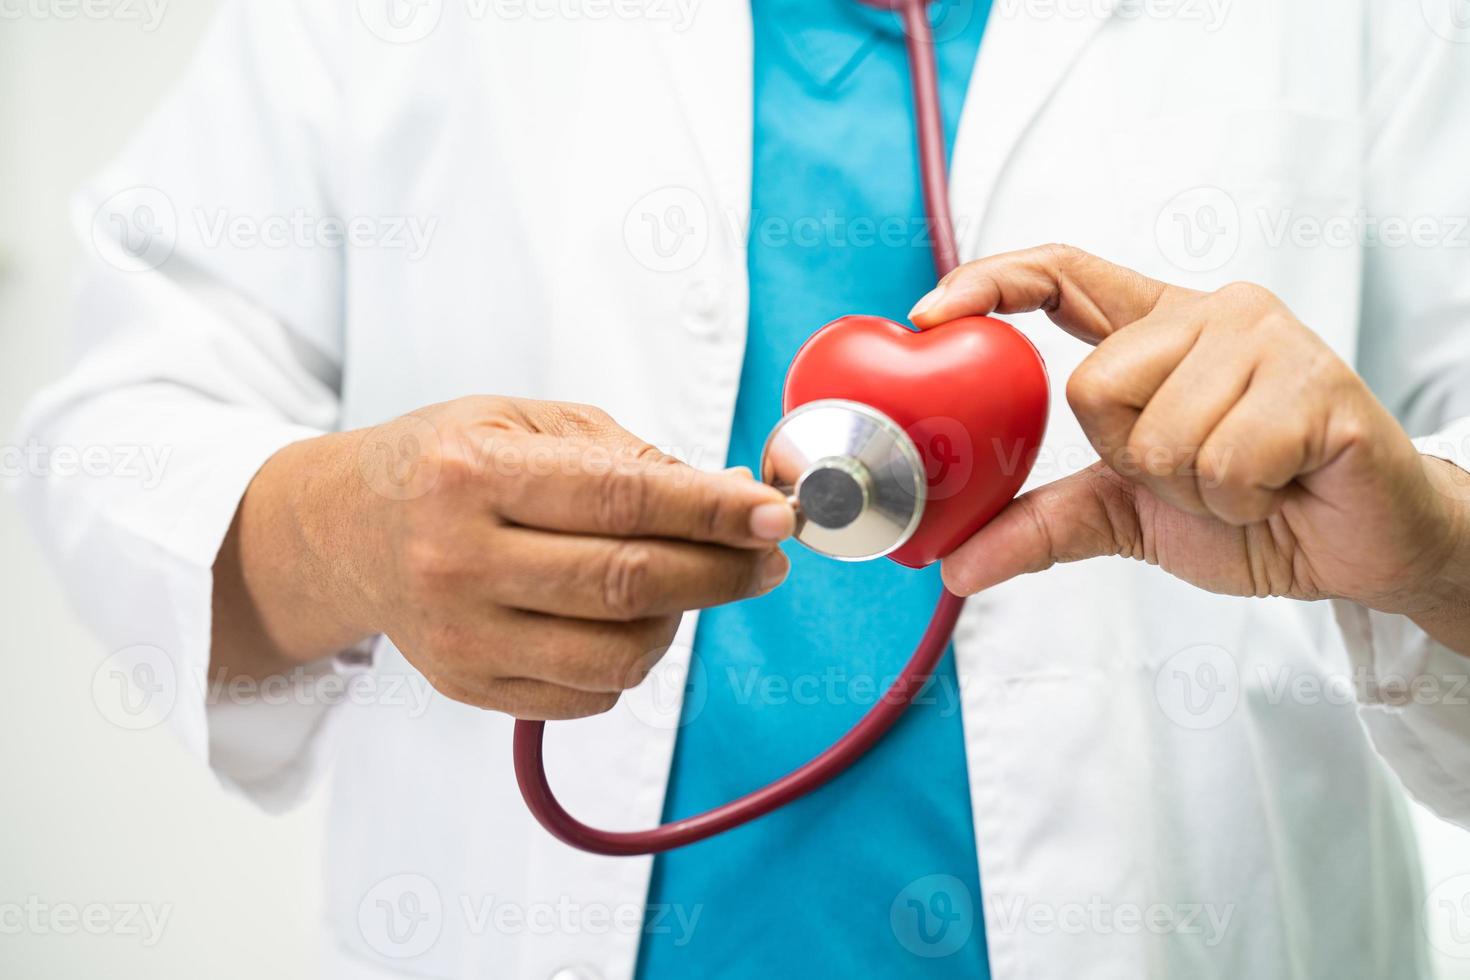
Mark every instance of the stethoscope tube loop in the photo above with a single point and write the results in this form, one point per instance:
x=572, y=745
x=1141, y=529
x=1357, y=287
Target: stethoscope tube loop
x=531, y=769
x=529, y=759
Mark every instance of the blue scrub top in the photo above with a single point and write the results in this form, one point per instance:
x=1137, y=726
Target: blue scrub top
x=876, y=873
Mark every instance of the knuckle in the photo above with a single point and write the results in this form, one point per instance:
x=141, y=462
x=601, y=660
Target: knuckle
x=661, y=632
x=496, y=695
x=1082, y=390
x=1246, y=295
x=486, y=406
x=1151, y=447
x=587, y=414
x=622, y=499
x=495, y=457
x=429, y=565
x=1215, y=470
x=1093, y=388
x=1061, y=254
x=463, y=695
x=540, y=700
x=457, y=468
x=1253, y=508
x=714, y=512
x=745, y=573
x=649, y=647
x=961, y=272
x=646, y=455
x=585, y=704
x=577, y=417
x=626, y=579
x=636, y=666
x=1352, y=432
x=1036, y=517
x=1323, y=371
x=1275, y=322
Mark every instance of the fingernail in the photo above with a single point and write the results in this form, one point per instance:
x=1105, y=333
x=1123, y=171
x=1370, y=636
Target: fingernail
x=928, y=302
x=740, y=471
x=774, y=569
x=773, y=522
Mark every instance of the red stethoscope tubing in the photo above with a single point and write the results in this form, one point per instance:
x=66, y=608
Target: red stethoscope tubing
x=529, y=759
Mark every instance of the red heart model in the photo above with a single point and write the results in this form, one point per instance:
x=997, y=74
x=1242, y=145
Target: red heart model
x=971, y=393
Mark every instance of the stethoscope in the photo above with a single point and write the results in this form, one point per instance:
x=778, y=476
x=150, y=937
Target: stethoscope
x=859, y=485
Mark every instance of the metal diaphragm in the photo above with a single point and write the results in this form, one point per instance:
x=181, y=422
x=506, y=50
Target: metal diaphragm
x=856, y=477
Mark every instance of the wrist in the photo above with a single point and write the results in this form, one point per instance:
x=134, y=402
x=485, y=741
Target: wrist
x=1444, y=611
x=302, y=527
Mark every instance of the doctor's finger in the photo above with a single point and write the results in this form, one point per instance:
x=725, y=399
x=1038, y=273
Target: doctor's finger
x=1086, y=515
x=592, y=493
x=585, y=655
x=528, y=700
x=1086, y=296
x=1198, y=376
x=1111, y=387
x=623, y=579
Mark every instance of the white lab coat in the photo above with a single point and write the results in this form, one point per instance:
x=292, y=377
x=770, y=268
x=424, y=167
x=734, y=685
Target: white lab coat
x=1145, y=759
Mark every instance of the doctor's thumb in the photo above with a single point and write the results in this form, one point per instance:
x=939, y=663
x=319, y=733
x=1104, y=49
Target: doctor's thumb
x=1086, y=515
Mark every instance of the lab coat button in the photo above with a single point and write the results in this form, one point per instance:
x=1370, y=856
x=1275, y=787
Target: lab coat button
x=576, y=973
x=701, y=308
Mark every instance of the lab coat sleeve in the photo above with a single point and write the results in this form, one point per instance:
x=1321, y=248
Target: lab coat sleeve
x=1415, y=352
x=206, y=337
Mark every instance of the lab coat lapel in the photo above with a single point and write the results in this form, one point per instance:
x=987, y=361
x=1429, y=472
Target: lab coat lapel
x=710, y=71
x=1010, y=86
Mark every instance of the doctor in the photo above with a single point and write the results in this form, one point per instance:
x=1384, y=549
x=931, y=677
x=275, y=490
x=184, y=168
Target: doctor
x=385, y=466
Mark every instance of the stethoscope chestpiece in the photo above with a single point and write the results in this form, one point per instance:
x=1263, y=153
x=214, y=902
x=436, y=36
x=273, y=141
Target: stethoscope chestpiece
x=855, y=477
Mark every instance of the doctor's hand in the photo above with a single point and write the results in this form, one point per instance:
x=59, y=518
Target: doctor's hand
x=529, y=557
x=1238, y=452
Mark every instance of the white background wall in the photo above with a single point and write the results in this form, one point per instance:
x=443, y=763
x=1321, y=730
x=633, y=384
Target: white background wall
x=90, y=813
